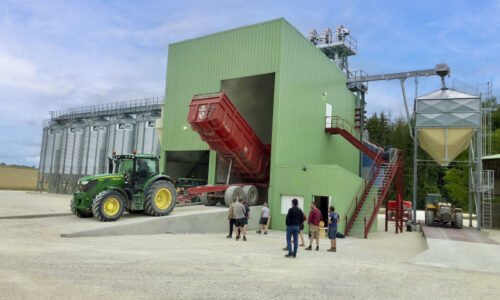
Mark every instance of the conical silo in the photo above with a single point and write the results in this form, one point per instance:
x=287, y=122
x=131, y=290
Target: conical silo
x=446, y=120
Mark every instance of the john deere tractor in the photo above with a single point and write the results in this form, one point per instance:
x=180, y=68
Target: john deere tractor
x=133, y=183
x=439, y=211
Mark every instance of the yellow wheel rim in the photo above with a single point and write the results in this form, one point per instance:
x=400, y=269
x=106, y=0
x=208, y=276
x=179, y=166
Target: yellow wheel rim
x=163, y=198
x=111, y=206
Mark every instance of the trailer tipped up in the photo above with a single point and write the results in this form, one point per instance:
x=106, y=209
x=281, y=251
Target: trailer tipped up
x=224, y=129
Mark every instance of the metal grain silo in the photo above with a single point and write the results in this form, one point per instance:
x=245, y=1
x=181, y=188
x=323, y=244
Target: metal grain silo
x=42, y=167
x=72, y=153
x=94, y=147
x=147, y=140
x=53, y=149
x=121, y=135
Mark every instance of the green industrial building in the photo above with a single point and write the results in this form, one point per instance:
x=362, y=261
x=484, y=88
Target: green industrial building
x=284, y=86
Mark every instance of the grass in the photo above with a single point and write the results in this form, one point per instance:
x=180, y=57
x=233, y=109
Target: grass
x=18, y=178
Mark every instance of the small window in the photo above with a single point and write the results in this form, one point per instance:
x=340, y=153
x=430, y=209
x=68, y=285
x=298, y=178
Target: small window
x=286, y=203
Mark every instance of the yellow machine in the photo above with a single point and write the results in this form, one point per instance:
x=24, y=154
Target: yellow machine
x=440, y=211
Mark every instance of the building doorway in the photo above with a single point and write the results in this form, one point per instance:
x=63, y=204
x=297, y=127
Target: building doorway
x=323, y=203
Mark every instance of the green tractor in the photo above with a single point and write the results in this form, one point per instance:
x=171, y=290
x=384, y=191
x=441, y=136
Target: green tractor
x=439, y=211
x=133, y=183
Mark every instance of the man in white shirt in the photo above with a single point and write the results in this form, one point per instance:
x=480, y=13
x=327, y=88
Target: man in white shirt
x=264, y=218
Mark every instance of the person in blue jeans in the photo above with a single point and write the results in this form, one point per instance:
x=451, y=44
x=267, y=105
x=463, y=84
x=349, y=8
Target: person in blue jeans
x=294, y=217
x=333, y=220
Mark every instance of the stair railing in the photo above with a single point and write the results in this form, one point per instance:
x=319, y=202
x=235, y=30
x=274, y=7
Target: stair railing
x=387, y=179
x=357, y=201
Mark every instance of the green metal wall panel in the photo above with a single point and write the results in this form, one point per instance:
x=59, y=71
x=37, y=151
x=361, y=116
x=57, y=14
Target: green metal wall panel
x=318, y=180
x=198, y=66
x=308, y=80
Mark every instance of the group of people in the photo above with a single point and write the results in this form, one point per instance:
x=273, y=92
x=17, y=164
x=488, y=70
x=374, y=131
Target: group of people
x=239, y=213
x=295, y=219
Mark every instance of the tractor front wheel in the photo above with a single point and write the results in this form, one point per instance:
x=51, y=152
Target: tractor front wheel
x=160, y=199
x=459, y=221
x=429, y=217
x=108, y=206
x=78, y=212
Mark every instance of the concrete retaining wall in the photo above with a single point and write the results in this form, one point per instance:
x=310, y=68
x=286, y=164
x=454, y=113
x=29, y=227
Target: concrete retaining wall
x=201, y=220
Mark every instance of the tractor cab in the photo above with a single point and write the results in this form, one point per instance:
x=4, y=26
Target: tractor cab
x=136, y=168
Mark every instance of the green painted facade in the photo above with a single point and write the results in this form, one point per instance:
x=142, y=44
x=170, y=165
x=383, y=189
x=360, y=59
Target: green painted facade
x=305, y=81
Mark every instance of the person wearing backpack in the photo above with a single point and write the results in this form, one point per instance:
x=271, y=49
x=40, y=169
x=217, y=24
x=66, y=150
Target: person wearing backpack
x=333, y=220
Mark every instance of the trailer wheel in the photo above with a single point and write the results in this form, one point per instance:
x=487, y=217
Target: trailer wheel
x=459, y=220
x=233, y=193
x=251, y=194
x=160, y=199
x=208, y=201
x=429, y=217
x=108, y=206
x=78, y=212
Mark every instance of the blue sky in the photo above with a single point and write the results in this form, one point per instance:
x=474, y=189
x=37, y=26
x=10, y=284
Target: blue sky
x=62, y=54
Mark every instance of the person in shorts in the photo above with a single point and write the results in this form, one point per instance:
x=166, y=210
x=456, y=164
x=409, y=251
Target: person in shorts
x=313, y=221
x=264, y=218
x=239, y=214
x=232, y=219
x=333, y=220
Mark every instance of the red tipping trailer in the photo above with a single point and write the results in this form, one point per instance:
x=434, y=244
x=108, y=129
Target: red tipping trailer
x=222, y=127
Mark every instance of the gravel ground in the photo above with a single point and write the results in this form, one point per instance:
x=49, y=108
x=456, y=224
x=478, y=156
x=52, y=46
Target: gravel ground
x=35, y=263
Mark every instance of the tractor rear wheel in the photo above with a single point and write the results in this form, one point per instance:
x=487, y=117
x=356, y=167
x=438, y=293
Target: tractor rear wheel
x=251, y=194
x=459, y=220
x=429, y=217
x=160, y=199
x=233, y=193
x=108, y=206
x=78, y=212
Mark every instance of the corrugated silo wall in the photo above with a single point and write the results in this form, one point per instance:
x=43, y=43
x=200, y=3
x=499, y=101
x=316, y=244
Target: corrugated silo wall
x=78, y=148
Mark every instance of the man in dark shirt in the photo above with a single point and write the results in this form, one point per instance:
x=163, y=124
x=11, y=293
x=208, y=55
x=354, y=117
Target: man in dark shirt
x=293, y=219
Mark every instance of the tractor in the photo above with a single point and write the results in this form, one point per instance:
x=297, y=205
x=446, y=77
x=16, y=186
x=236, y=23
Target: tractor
x=133, y=183
x=439, y=211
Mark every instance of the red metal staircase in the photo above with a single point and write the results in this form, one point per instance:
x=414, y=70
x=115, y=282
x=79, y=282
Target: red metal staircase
x=386, y=167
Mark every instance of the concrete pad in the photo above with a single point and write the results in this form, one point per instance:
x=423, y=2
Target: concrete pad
x=445, y=253
x=464, y=234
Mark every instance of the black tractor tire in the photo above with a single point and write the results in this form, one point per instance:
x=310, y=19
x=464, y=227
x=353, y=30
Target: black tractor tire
x=459, y=221
x=160, y=199
x=429, y=217
x=78, y=212
x=108, y=206
x=232, y=193
x=251, y=194
x=208, y=201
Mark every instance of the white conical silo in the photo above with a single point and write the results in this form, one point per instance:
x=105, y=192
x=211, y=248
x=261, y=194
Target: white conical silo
x=446, y=121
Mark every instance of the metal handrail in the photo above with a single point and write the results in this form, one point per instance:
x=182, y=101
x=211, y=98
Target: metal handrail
x=366, y=179
x=393, y=162
x=339, y=122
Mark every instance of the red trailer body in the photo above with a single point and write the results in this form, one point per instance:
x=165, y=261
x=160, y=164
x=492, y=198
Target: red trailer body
x=222, y=127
